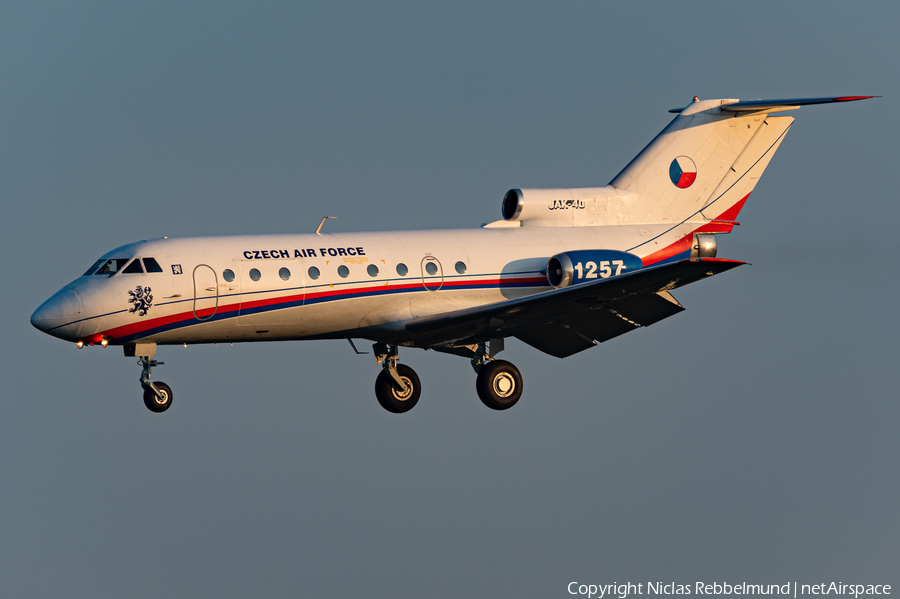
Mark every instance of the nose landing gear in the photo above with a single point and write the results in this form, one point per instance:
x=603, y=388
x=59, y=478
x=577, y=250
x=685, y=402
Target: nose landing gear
x=157, y=396
x=158, y=400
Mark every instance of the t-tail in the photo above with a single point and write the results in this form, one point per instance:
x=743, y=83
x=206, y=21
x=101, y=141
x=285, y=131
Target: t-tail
x=700, y=169
x=704, y=164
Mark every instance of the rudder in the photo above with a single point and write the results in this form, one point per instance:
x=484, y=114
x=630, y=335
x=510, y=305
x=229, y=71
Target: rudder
x=705, y=157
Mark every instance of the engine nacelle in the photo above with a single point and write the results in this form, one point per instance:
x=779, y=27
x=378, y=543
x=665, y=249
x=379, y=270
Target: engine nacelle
x=585, y=266
x=584, y=206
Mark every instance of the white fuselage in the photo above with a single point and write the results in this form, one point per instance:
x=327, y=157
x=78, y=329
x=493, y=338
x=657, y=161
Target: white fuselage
x=273, y=296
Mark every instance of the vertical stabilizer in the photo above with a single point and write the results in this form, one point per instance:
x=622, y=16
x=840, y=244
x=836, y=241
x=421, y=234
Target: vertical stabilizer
x=727, y=200
x=706, y=162
x=680, y=171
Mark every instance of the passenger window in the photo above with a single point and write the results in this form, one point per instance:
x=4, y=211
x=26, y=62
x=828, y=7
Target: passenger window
x=402, y=270
x=313, y=273
x=152, y=265
x=254, y=274
x=431, y=268
x=285, y=274
x=112, y=266
x=372, y=270
x=343, y=271
x=228, y=275
x=461, y=267
x=93, y=268
x=134, y=268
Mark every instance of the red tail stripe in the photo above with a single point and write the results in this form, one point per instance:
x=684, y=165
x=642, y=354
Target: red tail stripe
x=684, y=244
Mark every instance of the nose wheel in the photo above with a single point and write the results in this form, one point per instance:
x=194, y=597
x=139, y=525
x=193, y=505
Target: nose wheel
x=159, y=400
x=157, y=396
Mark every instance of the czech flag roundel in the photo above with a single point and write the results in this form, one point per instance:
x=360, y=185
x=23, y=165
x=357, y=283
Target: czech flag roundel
x=683, y=171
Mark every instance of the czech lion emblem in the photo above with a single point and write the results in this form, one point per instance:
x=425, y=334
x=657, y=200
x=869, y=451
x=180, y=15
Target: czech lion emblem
x=141, y=299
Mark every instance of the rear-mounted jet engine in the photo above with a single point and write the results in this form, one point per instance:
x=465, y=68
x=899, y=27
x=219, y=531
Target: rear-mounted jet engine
x=584, y=266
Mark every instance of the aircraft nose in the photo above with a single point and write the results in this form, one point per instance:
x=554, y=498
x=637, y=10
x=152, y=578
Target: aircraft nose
x=62, y=308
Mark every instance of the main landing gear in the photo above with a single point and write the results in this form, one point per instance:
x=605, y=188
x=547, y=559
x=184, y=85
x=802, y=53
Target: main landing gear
x=499, y=383
x=397, y=386
x=157, y=396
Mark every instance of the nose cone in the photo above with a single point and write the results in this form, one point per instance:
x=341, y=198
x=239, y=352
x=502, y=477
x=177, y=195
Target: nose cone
x=58, y=315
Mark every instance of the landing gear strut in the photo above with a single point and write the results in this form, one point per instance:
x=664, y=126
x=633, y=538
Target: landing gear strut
x=157, y=396
x=397, y=386
x=499, y=383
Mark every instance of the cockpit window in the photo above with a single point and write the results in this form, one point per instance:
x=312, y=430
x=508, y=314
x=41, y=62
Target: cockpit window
x=112, y=266
x=93, y=268
x=151, y=265
x=133, y=268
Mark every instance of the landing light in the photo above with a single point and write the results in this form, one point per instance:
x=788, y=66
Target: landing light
x=79, y=344
x=104, y=342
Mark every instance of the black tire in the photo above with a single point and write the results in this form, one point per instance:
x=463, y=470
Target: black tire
x=158, y=404
x=390, y=397
x=499, y=385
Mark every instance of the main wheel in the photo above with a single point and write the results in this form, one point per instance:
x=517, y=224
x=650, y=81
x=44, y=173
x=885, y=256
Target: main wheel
x=499, y=385
x=395, y=400
x=159, y=403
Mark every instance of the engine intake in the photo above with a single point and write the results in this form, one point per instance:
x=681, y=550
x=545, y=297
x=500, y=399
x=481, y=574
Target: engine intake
x=513, y=202
x=587, y=206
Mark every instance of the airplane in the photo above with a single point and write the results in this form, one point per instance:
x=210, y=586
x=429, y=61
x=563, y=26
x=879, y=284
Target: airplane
x=564, y=270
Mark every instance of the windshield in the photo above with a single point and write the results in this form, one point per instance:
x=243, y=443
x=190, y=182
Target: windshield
x=112, y=266
x=91, y=270
x=133, y=268
x=152, y=265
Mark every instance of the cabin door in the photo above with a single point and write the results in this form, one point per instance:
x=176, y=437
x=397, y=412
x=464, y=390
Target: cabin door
x=432, y=273
x=206, y=292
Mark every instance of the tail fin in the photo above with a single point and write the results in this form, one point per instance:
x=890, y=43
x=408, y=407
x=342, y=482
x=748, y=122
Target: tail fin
x=706, y=162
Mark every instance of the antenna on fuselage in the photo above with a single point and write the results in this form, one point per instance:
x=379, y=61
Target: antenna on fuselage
x=319, y=228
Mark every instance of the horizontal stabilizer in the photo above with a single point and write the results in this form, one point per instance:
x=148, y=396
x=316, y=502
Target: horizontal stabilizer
x=785, y=104
x=746, y=105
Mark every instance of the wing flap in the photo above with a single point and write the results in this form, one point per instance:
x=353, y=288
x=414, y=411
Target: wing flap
x=582, y=330
x=645, y=310
x=555, y=339
x=570, y=306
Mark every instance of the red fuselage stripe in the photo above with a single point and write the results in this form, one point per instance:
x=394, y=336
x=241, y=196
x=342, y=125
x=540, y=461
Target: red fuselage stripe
x=188, y=317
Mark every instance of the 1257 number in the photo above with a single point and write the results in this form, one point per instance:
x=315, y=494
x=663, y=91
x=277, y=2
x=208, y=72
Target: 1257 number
x=589, y=270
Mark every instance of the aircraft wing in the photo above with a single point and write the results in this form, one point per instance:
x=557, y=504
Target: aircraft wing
x=565, y=321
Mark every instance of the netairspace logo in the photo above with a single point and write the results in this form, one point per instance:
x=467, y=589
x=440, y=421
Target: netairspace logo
x=791, y=589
